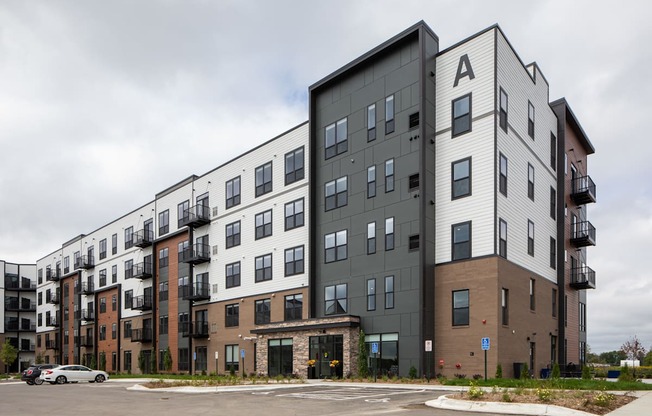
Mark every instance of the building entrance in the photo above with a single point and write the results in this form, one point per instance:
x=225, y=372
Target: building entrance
x=327, y=351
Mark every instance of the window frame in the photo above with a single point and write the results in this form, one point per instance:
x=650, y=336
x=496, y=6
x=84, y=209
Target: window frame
x=233, y=187
x=232, y=274
x=389, y=292
x=371, y=181
x=504, y=305
x=371, y=294
x=533, y=301
x=263, y=268
x=503, y=175
x=339, y=139
x=530, y=238
x=295, y=266
x=390, y=113
x=530, y=181
x=290, y=314
x=455, y=244
x=456, y=319
x=502, y=238
x=553, y=203
x=295, y=173
x=233, y=238
x=263, y=177
x=263, y=224
x=294, y=216
x=389, y=234
x=337, y=304
x=457, y=119
x=371, y=237
x=336, y=248
x=530, y=119
x=503, y=109
x=336, y=193
x=232, y=315
x=467, y=178
x=262, y=311
x=553, y=151
x=371, y=122
x=164, y=222
x=389, y=175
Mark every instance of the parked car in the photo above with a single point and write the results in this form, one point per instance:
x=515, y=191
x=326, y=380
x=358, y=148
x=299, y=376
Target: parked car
x=32, y=374
x=73, y=373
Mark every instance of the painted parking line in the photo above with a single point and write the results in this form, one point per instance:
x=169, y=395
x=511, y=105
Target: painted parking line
x=351, y=393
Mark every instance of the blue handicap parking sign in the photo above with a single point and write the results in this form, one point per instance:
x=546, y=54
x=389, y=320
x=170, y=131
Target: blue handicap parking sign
x=374, y=348
x=485, y=343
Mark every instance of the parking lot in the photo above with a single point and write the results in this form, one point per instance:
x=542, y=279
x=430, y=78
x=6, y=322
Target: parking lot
x=113, y=398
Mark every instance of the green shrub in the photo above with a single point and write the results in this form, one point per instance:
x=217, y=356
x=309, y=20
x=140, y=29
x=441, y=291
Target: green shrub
x=525, y=372
x=544, y=394
x=475, y=392
x=499, y=371
x=586, y=373
x=413, y=372
x=625, y=374
x=603, y=399
x=556, y=372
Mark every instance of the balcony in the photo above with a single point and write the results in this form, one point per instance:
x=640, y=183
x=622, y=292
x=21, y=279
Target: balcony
x=52, y=322
x=583, y=234
x=196, y=291
x=25, y=305
x=87, y=288
x=28, y=348
x=583, y=190
x=200, y=329
x=142, y=302
x=143, y=238
x=139, y=271
x=582, y=278
x=51, y=344
x=24, y=326
x=87, y=315
x=196, y=254
x=54, y=299
x=25, y=284
x=52, y=275
x=85, y=262
x=141, y=335
x=195, y=216
x=86, y=341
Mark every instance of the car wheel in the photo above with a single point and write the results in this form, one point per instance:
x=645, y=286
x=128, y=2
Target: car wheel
x=38, y=381
x=61, y=380
x=100, y=378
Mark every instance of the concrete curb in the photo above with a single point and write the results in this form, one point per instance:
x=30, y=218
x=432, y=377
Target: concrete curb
x=444, y=402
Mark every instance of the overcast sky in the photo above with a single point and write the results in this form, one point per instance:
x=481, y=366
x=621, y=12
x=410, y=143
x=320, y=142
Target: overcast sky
x=104, y=104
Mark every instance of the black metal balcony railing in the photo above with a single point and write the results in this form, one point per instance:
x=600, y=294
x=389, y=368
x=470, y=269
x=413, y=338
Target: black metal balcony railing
x=87, y=315
x=25, y=284
x=23, y=305
x=87, y=288
x=15, y=326
x=184, y=328
x=196, y=254
x=51, y=344
x=52, y=275
x=582, y=277
x=28, y=348
x=86, y=341
x=200, y=329
x=582, y=234
x=85, y=262
x=141, y=335
x=197, y=291
x=143, y=238
x=139, y=271
x=583, y=190
x=142, y=302
x=54, y=299
x=195, y=216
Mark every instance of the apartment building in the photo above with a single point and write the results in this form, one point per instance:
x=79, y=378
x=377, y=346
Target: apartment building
x=18, y=312
x=434, y=199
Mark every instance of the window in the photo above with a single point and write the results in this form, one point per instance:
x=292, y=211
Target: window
x=294, y=170
x=389, y=234
x=294, y=214
x=389, y=114
x=163, y=323
x=114, y=273
x=530, y=238
x=413, y=182
x=371, y=122
x=461, y=240
x=103, y=249
x=263, y=268
x=102, y=332
x=102, y=277
x=233, y=192
x=262, y=311
x=389, y=175
x=264, y=224
x=163, y=291
x=503, y=110
x=460, y=307
x=553, y=253
x=129, y=296
x=371, y=181
x=503, y=175
x=129, y=237
x=504, y=302
x=335, y=246
x=502, y=246
x=530, y=119
x=232, y=315
x=532, y=295
x=232, y=358
x=184, y=358
x=336, y=138
x=127, y=361
x=294, y=261
x=389, y=292
x=102, y=305
x=293, y=307
x=371, y=294
x=530, y=181
x=280, y=357
x=461, y=178
x=413, y=121
x=371, y=237
x=553, y=151
x=163, y=257
x=164, y=222
x=40, y=297
x=335, y=299
x=183, y=287
x=554, y=303
x=114, y=243
x=114, y=331
x=553, y=203
x=201, y=361
x=129, y=269
x=461, y=108
x=233, y=234
x=336, y=193
x=182, y=212
x=114, y=303
x=233, y=274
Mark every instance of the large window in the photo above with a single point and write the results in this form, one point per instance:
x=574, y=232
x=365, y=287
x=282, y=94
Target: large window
x=293, y=307
x=336, y=138
x=460, y=307
x=163, y=325
x=182, y=212
x=102, y=277
x=530, y=181
x=129, y=237
x=103, y=249
x=461, y=108
x=114, y=273
x=387, y=352
x=530, y=119
x=263, y=268
x=503, y=110
x=503, y=175
x=294, y=263
x=530, y=238
x=264, y=179
x=371, y=181
x=461, y=178
x=553, y=253
x=461, y=240
x=371, y=294
x=233, y=192
x=233, y=234
x=201, y=360
x=389, y=175
x=335, y=299
x=232, y=354
x=264, y=224
x=233, y=274
x=114, y=243
x=335, y=246
x=389, y=114
x=502, y=246
x=280, y=357
x=262, y=311
x=294, y=214
x=164, y=222
x=163, y=257
x=335, y=193
x=553, y=203
x=232, y=315
x=389, y=292
x=371, y=122
x=389, y=234
x=163, y=291
x=504, y=302
x=294, y=166
x=371, y=237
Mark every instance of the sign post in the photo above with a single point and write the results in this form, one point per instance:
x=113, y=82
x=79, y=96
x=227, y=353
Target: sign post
x=242, y=355
x=428, y=348
x=374, y=351
x=216, y=368
x=486, y=343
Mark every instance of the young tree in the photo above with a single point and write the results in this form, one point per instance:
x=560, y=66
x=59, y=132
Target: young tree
x=363, y=366
x=167, y=360
x=634, y=349
x=648, y=358
x=8, y=354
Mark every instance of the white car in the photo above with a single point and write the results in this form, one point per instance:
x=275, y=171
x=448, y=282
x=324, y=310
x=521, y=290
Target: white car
x=73, y=373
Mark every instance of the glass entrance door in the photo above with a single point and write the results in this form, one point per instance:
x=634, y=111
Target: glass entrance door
x=327, y=351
